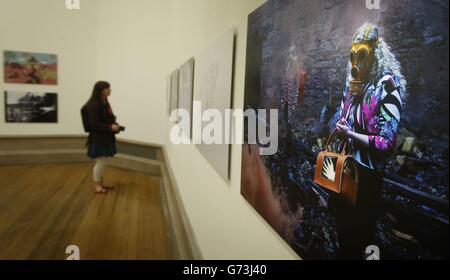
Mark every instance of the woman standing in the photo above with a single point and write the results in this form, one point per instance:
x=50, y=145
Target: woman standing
x=103, y=127
x=369, y=118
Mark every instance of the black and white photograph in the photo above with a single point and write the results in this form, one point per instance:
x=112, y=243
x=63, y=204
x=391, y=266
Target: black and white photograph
x=31, y=107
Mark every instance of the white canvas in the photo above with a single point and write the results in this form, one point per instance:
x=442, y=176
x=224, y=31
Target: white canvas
x=168, y=92
x=213, y=87
x=174, y=79
x=186, y=87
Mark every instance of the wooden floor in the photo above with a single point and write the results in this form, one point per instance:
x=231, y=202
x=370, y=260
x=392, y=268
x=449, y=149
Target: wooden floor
x=45, y=208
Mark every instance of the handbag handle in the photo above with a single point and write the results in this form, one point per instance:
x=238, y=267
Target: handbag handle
x=329, y=140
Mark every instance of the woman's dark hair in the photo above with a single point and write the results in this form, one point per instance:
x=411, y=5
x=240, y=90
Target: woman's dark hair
x=96, y=97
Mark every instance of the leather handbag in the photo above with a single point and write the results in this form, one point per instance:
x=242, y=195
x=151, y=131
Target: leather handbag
x=338, y=172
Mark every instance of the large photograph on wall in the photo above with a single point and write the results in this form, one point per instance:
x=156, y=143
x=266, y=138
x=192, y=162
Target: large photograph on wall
x=30, y=68
x=361, y=170
x=31, y=107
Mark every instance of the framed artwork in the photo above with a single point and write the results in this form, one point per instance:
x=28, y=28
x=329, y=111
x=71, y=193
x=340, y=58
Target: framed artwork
x=213, y=89
x=168, y=93
x=30, y=68
x=371, y=75
x=174, y=89
x=31, y=107
x=186, y=88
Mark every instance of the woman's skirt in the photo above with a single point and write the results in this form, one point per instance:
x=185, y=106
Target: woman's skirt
x=96, y=150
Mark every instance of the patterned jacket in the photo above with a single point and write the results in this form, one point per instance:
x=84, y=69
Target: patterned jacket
x=375, y=113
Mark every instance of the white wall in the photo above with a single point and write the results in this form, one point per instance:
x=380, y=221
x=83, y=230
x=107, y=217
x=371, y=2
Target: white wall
x=135, y=45
x=47, y=26
x=134, y=54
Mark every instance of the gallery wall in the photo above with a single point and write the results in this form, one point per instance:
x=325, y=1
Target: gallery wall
x=46, y=26
x=134, y=54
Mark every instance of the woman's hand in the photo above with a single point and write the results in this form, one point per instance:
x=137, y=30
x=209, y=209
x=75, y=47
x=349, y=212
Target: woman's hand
x=343, y=128
x=115, y=127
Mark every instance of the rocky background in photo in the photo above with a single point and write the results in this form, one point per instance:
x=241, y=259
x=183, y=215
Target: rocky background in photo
x=297, y=56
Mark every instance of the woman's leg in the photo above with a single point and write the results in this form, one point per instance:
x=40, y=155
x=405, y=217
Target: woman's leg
x=357, y=226
x=369, y=204
x=99, y=171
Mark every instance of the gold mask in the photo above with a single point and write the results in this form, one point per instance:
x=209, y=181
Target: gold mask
x=362, y=59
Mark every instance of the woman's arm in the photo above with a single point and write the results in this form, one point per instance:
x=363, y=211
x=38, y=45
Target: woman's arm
x=382, y=143
x=96, y=121
x=343, y=128
x=388, y=121
x=377, y=143
x=389, y=117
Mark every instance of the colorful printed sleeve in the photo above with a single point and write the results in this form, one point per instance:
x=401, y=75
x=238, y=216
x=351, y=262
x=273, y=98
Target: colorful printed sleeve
x=389, y=117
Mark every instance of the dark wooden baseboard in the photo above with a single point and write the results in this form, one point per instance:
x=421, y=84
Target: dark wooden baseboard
x=142, y=157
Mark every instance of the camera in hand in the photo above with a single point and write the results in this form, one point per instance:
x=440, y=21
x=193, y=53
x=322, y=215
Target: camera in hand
x=121, y=128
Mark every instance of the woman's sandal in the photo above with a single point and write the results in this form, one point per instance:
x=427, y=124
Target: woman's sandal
x=101, y=191
x=108, y=187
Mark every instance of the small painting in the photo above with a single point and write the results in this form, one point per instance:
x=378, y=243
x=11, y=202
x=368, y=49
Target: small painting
x=31, y=107
x=30, y=68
